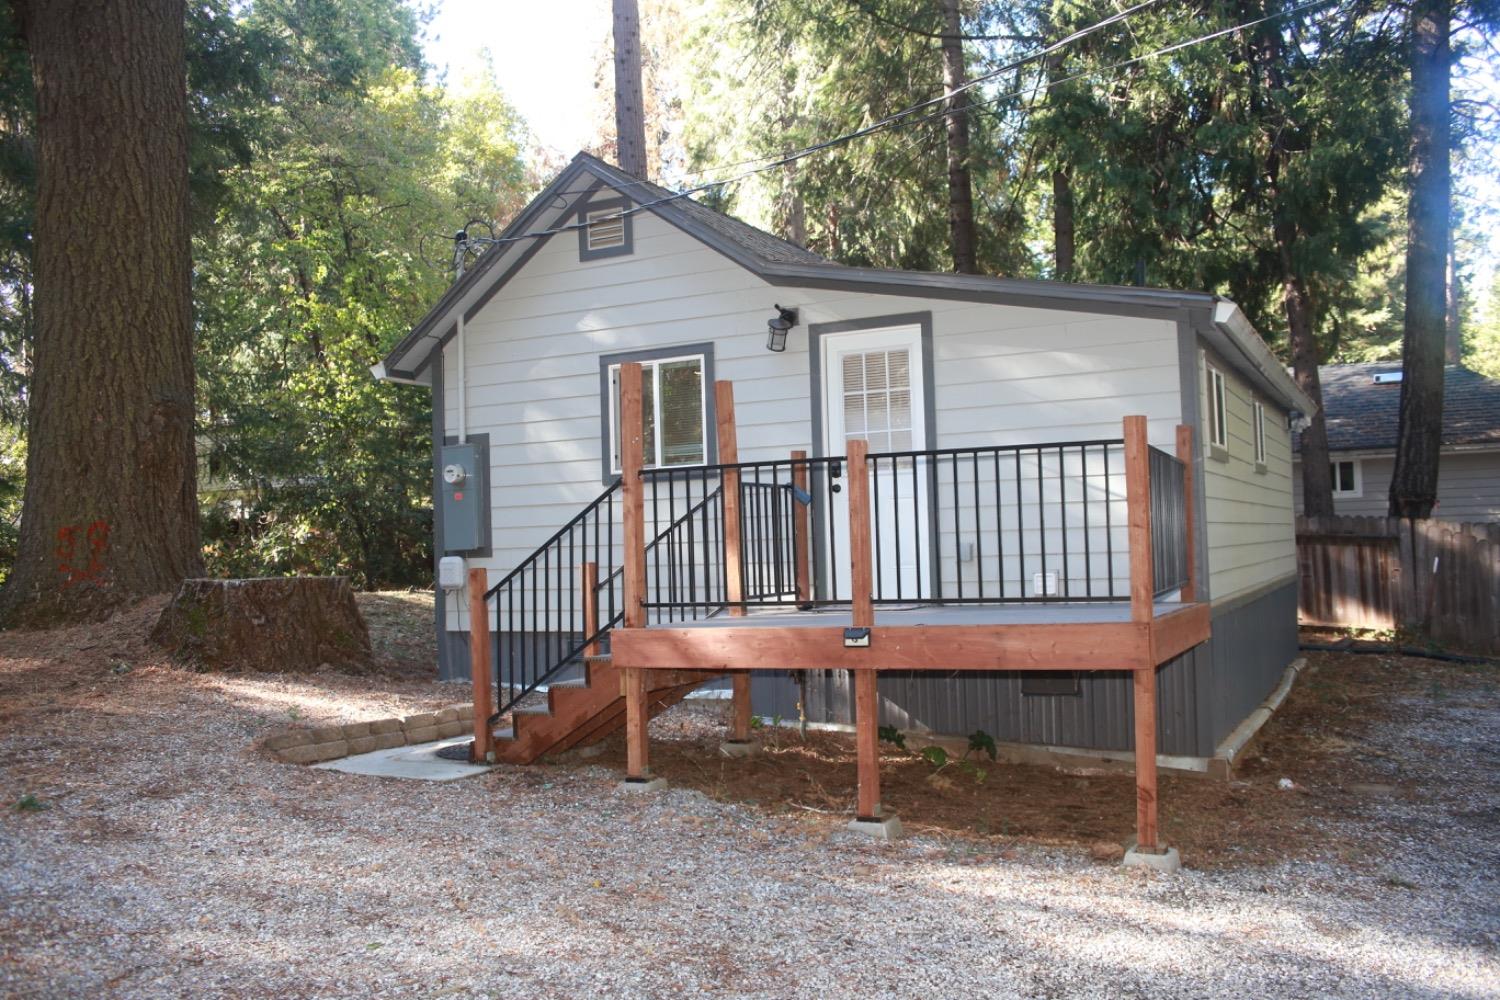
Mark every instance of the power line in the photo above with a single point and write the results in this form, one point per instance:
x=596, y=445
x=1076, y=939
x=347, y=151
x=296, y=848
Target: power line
x=902, y=119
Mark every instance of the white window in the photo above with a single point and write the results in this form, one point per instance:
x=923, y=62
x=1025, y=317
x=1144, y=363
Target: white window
x=1218, y=432
x=1347, y=478
x=877, y=399
x=1258, y=428
x=674, y=407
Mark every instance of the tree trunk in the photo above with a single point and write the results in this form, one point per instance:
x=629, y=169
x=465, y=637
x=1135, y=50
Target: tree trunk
x=960, y=185
x=1063, y=242
x=110, y=511
x=1419, y=434
x=1317, y=475
x=630, y=115
x=1453, y=341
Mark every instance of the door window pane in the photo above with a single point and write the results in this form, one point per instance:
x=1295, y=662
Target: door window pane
x=877, y=399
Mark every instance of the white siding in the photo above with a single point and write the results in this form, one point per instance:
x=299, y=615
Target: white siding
x=1003, y=374
x=1468, y=486
x=1251, y=538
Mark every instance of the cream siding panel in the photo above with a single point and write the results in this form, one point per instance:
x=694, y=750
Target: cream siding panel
x=1248, y=513
x=1003, y=375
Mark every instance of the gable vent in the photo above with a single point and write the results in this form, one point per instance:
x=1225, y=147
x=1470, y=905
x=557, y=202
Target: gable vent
x=606, y=229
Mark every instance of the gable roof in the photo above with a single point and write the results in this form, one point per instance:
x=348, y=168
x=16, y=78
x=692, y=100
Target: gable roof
x=1363, y=415
x=779, y=262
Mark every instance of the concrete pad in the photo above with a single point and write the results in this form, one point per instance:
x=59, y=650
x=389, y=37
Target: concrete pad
x=643, y=787
x=1164, y=859
x=418, y=762
x=739, y=748
x=887, y=828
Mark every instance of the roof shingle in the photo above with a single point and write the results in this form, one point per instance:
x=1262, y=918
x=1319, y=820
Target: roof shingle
x=1363, y=415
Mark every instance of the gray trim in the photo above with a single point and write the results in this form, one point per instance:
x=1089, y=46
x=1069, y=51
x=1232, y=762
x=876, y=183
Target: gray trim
x=1187, y=373
x=815, y=333
x=710, y=413
x=439, y=596
x=590, y=204
x=482, y=441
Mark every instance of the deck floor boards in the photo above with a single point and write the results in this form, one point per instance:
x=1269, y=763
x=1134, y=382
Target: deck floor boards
x=1059, y=613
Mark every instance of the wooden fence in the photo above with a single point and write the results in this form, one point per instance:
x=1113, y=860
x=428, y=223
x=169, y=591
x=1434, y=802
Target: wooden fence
x=1439, y=578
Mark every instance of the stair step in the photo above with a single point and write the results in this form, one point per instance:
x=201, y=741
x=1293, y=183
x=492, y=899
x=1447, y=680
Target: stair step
x=602, y=660
x=577, y=682
x=505, y=734
x=532, y=710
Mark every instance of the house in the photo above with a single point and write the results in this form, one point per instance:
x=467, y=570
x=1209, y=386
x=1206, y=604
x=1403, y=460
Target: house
x=1000, y=544
x=1362, y=405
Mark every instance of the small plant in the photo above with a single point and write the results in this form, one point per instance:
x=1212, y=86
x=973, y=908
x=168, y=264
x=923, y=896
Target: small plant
x=893, y=736
x=294, y=713
x=30, y=803
x=980, y=740
x=756, y=722
x=936, y=756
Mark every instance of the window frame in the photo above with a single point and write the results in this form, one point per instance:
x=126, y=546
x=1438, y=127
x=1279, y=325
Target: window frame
x=609, y=404
x=1258, y=433
x=1358, y=476
x=594, y=206
x=1217, y=412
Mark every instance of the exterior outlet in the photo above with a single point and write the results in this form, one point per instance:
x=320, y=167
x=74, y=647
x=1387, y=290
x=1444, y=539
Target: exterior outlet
x=1044, y=585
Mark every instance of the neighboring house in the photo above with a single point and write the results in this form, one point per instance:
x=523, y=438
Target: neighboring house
x=1362, y=403
x=523, y=357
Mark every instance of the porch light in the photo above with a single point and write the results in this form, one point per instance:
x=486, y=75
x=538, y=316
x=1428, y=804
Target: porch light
x=777, y=326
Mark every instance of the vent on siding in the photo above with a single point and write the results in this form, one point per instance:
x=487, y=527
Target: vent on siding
x=606, y=229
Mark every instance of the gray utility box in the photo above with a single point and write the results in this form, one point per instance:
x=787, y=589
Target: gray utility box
x=465, y=497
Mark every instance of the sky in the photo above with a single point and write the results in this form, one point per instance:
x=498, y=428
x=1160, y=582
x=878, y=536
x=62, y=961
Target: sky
x=543, y=54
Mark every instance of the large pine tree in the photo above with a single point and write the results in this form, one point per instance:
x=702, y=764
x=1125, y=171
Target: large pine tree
x=110, y=511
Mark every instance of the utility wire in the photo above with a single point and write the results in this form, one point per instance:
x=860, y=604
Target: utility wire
x=902, y=119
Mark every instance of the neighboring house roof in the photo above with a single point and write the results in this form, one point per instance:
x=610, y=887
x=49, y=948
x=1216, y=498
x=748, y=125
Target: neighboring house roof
x=779, y=262
x=1362, y=414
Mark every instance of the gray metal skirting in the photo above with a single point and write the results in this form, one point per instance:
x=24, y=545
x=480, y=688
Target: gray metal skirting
x=1202, y=695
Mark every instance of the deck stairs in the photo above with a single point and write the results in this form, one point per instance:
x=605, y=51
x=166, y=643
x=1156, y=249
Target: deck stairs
x=585, y=710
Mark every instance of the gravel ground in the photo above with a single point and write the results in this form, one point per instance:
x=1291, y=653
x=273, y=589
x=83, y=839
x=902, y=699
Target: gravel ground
x=171, y=858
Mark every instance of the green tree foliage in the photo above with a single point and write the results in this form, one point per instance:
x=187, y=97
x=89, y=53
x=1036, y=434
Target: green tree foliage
x=312, y=269
x=321, y=159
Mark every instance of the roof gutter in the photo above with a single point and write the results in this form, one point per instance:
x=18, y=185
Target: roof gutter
x=1230, y=319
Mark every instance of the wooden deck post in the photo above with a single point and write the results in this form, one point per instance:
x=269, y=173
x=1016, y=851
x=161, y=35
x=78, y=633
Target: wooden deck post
x=588, y=582
x=801, y=530
x=479, y=664
x=1138, y=517
x=1142, y=601
x=862, y=589
x=632, y=459
x=739, y=730
x=1145, y=758
x=729, y=454
x=1185, y=455
x=633, y=507
x=637, y=761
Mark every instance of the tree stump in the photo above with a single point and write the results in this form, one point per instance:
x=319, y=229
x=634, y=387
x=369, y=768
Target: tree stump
x=273, y=624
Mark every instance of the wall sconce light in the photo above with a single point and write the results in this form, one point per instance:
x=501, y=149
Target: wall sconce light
x=777, y=327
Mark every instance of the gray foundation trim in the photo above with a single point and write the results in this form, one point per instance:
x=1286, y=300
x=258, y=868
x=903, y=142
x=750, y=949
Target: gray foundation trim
x=1187, y=372
x=487, y=511
x=439, y=596
x=1202, y=695
x=710, y=414
x=815, y=334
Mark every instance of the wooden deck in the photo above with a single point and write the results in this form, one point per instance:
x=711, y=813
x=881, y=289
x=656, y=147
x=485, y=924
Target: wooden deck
x=1051, y=636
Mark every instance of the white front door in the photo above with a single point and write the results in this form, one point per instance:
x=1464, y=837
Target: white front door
x=873, y=390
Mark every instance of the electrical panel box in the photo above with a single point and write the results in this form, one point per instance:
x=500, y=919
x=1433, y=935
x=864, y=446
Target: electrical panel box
x=465, y=497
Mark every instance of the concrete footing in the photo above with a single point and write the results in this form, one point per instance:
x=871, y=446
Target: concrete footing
x=643, y=786
x=886, y=828
x=1163, y=859
x=739, y=748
